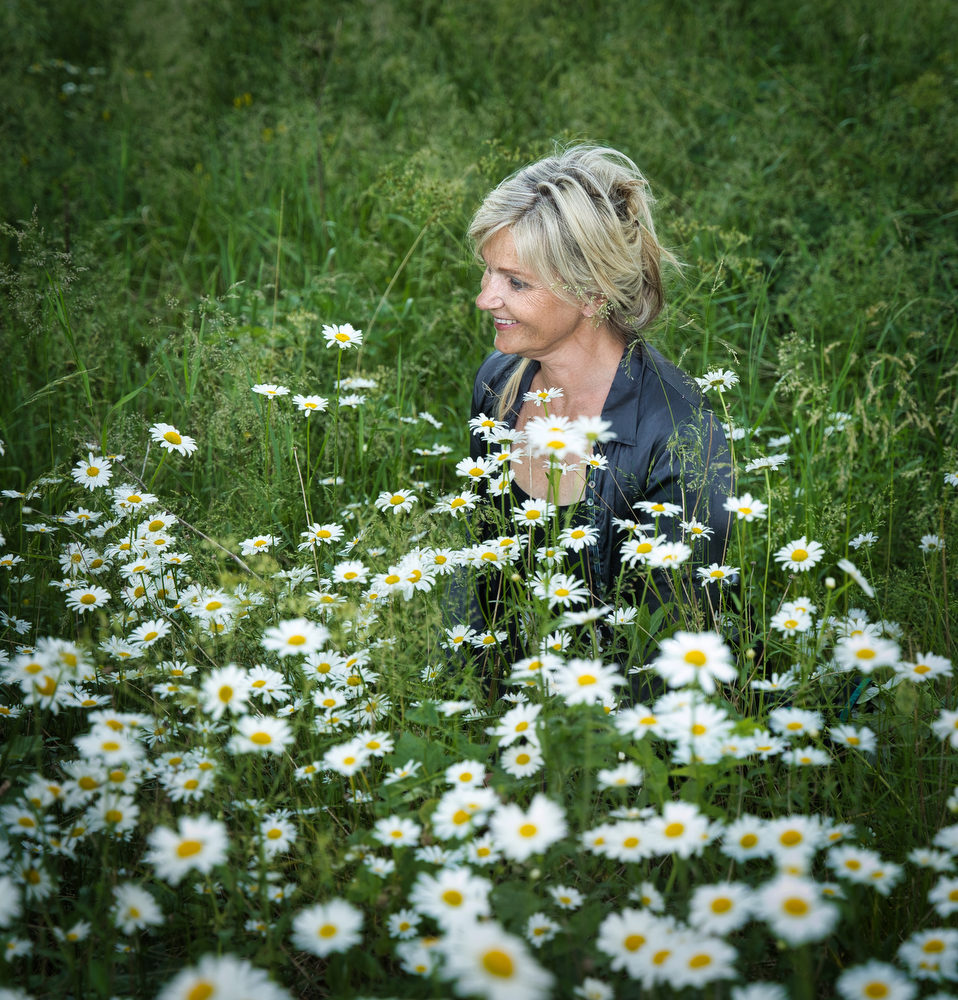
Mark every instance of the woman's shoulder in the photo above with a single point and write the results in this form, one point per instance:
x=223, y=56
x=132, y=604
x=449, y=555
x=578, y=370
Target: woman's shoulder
x=663, y=381
x=496, y=369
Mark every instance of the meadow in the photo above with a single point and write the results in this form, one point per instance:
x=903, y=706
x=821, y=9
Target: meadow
x=250, y=746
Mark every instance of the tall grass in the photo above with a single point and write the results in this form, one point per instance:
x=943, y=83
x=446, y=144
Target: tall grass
x=191, y=193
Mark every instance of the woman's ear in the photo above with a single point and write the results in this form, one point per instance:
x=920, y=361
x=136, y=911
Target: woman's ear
x=594, y=306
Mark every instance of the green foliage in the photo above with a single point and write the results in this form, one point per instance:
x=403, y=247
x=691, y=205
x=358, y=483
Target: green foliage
x=191, y=190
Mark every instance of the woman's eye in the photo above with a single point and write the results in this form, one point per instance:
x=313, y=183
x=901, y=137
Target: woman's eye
x=517, y=284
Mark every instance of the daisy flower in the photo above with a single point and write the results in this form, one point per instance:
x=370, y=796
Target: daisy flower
x=628, y=938
x=86, y=599
x=743, y=840
x=716, y=573
x=945, y=727
x=681, y=830
x=539, y=929
x=540, y=396
x=658, y=508
x=559, y=589
x=225, y=689
x=483, y=960
x=320, y=534
x=400, y=500
x=721, y=908
x=789, y=621
x=342, y=336
x=932, y=543
x=295, y=637
x=261, y=734
x=94, y=472
x=593, y=989
x=699, y=961
x=521, y=833
x=150, y=632
x=944, y=896
x=198, y=842
x=456, y=503
x=346, y=758
x=746, y=507
x=566, y=897
x=585, y=682
x=927, y=666
x=270, y=389
x=688, y=656
x=403, y=924
x=865, y=653
x=168, y=437
x=555, y=437
x=626, y=775
x=311, y=404
x=465, y=774
x=875, y=979
x=718, y=379
x=256, y=544
x=328, y=927
x=451, y=895
x=576, y=538
x=792, y=722
x=222, y=977
x=134, y=908
x=517, y=723
x=397, y=831
x=799, y=555
x=931, y=954
x=669, y=555
x=352, y=571
x=795, y=910
x=856, y=737
x=772, y=462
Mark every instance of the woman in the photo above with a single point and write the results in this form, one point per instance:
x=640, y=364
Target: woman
x=572, y=277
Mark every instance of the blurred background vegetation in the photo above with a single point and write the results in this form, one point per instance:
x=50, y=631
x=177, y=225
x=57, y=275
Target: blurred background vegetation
x=191, y=188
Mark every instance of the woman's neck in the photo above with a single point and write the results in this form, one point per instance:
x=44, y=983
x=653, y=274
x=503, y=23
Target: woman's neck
x=584, y=379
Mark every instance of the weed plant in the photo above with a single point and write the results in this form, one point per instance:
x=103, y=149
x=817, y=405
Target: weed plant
x=248, y=745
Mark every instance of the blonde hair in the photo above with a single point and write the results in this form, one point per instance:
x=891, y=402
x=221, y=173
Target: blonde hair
x=582, y=223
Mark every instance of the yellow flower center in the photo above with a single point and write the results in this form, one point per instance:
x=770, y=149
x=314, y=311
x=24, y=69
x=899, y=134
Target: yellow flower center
x=172, y=437
x=795, y=907
x=674, y=830
x=799, y=555
x=296, y=640
x=188, y=848
x=453, y=897
x=261, y=739
x=497, y=963
x=528, y=830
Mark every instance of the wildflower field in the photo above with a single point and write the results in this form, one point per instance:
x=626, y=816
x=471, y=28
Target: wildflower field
x=252, y=744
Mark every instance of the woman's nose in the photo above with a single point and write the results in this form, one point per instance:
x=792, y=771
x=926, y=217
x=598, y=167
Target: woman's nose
x=487, y=296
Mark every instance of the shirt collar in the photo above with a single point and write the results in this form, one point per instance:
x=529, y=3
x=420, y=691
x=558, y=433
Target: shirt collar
x=621, y=404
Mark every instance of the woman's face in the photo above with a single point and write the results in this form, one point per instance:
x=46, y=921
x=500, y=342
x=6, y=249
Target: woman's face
x=530, y=319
